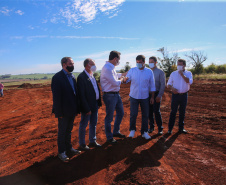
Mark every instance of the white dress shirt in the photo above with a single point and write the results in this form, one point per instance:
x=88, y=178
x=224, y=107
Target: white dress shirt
x=142, y=82
x=109, y=78
x=94, y=83
x=177, y=81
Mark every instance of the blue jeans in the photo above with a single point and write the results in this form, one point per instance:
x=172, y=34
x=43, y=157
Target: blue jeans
x=178, y=100
x=134, y=104
x=1, y=92
x=92, y=127
x=113, y=102
x=65, y=126
x=155, y=109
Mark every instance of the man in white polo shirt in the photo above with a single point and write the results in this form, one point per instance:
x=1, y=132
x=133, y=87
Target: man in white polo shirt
x=179, y=83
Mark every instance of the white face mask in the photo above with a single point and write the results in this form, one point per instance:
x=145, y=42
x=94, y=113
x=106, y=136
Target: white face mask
x=179, y=68
x=139, y=65
x=118, y=62
x=93, y=68
x=151, y=65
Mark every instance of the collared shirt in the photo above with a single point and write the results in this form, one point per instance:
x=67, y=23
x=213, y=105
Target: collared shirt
x=142, y=82
x=109, y=78
x=94, y=83
x=160, y=81
x=177, y=81
x=70, y=77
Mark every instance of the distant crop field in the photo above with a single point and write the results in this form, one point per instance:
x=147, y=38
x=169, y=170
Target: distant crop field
x=36, y=76
x=20, y=82
x=210, y=76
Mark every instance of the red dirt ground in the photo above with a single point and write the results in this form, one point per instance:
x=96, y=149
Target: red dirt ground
x=28, y=150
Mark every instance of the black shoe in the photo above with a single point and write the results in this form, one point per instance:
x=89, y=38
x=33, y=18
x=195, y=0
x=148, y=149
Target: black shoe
x=160, y=132
x=94, y=144
x=84, y=147
x=169, y=132
x=119, y=135
x=183, y=131
x=151, y=130
x=112, y=141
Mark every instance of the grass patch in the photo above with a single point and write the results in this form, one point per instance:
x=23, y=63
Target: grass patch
x=7, y=84
x=210, y=76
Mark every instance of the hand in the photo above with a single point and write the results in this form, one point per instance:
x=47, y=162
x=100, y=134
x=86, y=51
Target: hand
x=121, y=79
x=125, y=79
x=174, y=90
x=152, y=101
x=89, y=113
x=181, y=72
x=158, y=99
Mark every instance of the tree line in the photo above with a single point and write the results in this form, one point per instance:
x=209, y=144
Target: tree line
x=168, y=63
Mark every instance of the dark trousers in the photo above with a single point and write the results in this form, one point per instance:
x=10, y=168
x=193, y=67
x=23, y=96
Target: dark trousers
x=178, y=100
x=154, y=109
x=65, y=126
x=134, y=105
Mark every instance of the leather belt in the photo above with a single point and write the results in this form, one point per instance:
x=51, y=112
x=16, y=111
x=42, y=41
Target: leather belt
x=111, y=92
x=182, y=93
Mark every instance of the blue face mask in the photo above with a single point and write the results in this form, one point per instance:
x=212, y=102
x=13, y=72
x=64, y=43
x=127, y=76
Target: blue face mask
x=139, y=65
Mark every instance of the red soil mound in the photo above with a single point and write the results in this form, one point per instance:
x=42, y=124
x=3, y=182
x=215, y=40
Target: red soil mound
x=26, y=85
x=28, y=147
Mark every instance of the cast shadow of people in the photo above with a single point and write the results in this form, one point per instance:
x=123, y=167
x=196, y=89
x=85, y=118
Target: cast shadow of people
x=147, y=158
x=54, y=171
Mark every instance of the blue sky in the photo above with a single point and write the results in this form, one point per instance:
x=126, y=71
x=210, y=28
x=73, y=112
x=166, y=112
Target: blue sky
x=36, y=34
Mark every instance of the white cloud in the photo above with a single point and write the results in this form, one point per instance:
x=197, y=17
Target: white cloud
x=16, y=37
x=85, y=11
x=30, y=38
x=5, y=11
x=19, y=12
x=91, y=37
x=31, y=27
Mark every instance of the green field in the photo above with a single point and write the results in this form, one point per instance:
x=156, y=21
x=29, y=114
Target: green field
x=36, y=76
x=210, y=76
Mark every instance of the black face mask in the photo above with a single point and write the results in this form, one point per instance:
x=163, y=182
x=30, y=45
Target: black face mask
x=70, y=68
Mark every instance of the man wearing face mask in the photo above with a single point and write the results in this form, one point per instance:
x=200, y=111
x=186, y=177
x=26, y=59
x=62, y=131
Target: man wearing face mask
x=110, y=83
x=90, y=101
x=142, y=83
x=65, y=106
x=179, y=83
x=160, y=82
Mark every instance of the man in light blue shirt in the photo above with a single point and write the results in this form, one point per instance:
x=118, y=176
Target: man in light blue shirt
x=142, y=83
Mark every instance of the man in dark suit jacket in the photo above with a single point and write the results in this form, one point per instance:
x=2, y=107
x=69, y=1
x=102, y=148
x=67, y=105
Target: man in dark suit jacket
x=65, y=106
x=90, y=101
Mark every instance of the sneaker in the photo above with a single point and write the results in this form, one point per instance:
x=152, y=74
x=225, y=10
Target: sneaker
x=146, y=136
x=63, y=157
x=160, y=132
x=132, y=133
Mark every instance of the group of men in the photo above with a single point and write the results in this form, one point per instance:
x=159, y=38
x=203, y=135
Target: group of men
x=147, y=88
